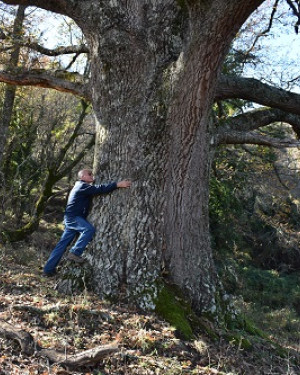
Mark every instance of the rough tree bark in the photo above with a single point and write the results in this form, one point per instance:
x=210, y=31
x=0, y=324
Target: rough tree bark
x=159, y=124
x=155, y=66
x=188, y=251
x=130, y=102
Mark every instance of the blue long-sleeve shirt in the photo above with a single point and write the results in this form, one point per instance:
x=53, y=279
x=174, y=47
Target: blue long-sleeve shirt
x=80, y=197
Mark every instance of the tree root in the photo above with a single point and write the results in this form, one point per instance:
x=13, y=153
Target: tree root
x=30, y=347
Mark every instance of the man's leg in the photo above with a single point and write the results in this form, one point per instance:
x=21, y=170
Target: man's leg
x=86, y=231
x=57, y=253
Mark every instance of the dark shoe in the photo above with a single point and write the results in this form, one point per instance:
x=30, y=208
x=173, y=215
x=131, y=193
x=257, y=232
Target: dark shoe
x=75, y=258
x=49, y=274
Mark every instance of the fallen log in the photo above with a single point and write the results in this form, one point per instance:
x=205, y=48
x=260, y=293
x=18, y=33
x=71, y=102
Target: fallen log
x=24, y=338
x=84, y=358
x=30, y=347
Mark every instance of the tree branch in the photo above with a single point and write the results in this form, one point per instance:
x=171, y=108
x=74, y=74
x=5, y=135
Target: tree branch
x=260, y=117
x=236, y=128
x=69, y=167
x=266, y=31
x=230, y=87
x=41, y=78
x=51, y=52
x=29, y=346
x=296, y=13
x=59, y=50
x=60, y=157
x=235, y=137
x=65, y=7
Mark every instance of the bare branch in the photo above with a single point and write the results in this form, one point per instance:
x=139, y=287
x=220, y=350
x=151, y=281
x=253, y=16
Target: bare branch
x=69, y=167
x=293, y=7
x=267, y=30
x=72, y=61
x=260, y=117
x=70, y=142
x=296, y=12
x=55, y=80
x=63, y=50
x=251, y=89
x=238, y=129
x=235, y=137
x=59, y=6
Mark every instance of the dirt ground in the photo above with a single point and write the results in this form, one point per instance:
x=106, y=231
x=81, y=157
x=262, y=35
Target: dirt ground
x=146, y=344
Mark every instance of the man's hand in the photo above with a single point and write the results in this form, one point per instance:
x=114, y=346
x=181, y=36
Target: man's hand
x=124, y=184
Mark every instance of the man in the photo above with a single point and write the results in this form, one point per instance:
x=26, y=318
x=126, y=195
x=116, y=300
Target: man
x=75, y=219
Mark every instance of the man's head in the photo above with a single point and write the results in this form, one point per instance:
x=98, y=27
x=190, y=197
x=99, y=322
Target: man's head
x=86, y=175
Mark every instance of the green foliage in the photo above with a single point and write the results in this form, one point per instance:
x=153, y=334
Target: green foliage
x=243, y=219
x=269, y=287
x=224, y=205
x=222, y=201
x=254, y=227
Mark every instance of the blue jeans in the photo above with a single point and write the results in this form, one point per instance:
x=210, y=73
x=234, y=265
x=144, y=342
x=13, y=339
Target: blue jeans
x=73, y=226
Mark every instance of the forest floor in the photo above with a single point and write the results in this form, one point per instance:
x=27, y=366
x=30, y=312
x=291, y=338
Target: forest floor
x=146, y=344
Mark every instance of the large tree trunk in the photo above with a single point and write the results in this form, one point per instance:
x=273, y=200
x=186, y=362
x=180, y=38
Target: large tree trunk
x=153, y=127
x=130, y=106
x=188, y=251
x=163, y=148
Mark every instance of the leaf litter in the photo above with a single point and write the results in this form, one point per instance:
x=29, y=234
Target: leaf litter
x=147, y=344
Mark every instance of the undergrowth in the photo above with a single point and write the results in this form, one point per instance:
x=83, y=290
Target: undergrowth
x=254, y=227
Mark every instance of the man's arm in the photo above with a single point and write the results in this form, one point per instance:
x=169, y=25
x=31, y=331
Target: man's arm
x=124, y=184
x=108, y=188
